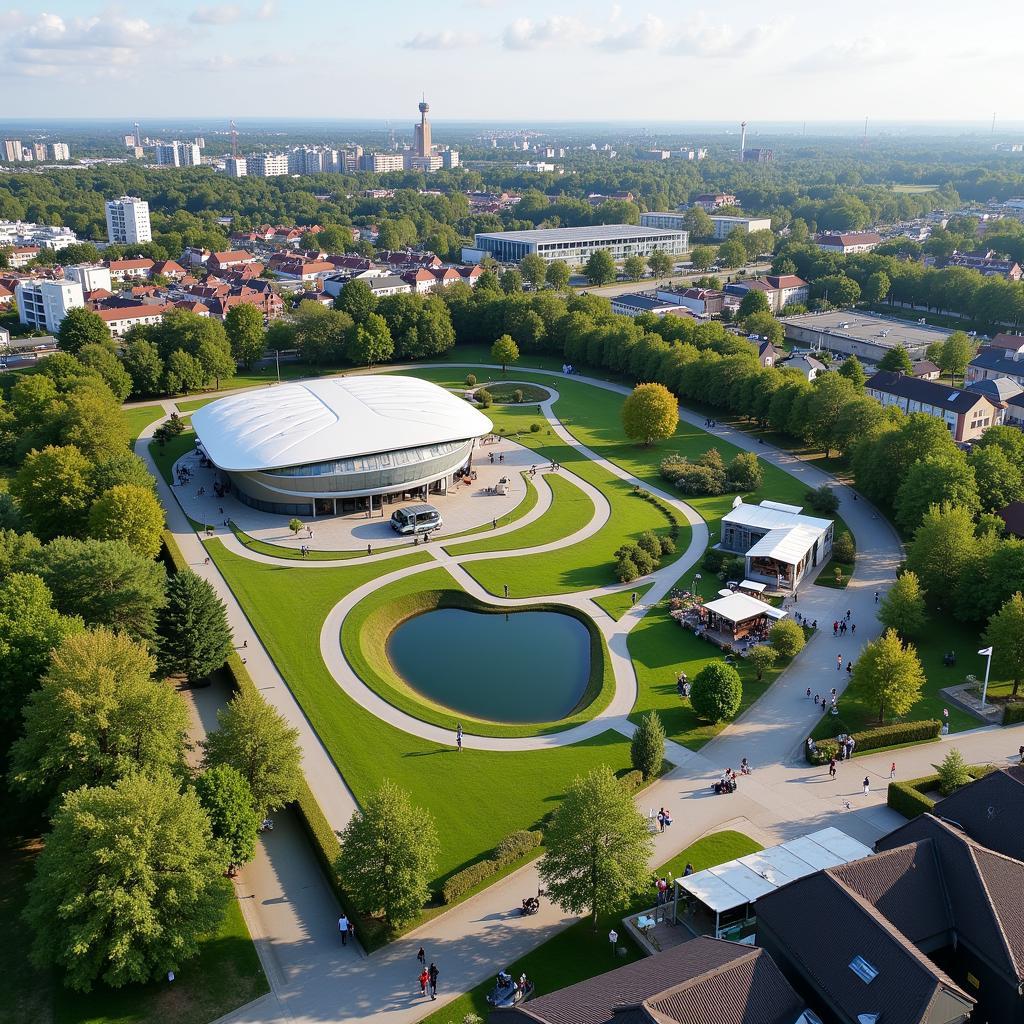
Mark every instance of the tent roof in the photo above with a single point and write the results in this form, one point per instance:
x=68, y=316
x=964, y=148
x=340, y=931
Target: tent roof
x=740, y=607
x=787, y=544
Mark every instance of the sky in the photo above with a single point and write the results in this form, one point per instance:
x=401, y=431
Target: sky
x=515, y=60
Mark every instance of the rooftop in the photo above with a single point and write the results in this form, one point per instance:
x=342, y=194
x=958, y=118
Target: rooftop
x=739, y=607
x=773, y=515
x=590, y=233
x=927, y=392
x=868, y=327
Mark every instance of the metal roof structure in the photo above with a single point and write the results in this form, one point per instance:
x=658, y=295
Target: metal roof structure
x=586, y=233
x=739, y=607
x=788, y=545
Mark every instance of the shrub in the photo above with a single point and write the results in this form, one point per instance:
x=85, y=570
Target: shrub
x=534, y=428
x=462, y=881
x=638, y=556
x=716, y=692
x=762, y=657
x=822, y=499
x=632, y=781
x=625, y=569
x=516, y=845
x=843, y=549
x=787, y=638
x=668, y=545
x=824, y=751
x=648, y=541
x=953, y=772
x=517, y=396
x=744, y=473
x=1013, y=712
x=713, y=560
x=470, y=380
x=907, y=798
x=895, y=734
x=484, y=398
x=647, y=748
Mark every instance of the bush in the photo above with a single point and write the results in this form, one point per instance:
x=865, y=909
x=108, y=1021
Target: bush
x=895, y=734
x=516, y=845
x=668, y=545
x=843, y=549
x=822, y=499
x=713, y=559
x=534, y=428
x=705, y=476
x=640, y=558
x=517, y=396
x=787, y=638
x=470, y=380
x=462, y=881
x=648, y=541
x=953, y=772
x=744, y=473
x=824, y=751
x=1013, y=712
x=907, y=799
x=632, y=781
x=484, y=398
x=625, y=569
x=716, y=692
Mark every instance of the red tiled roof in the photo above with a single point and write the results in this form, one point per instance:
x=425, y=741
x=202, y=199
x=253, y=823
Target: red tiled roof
x=128, y=313
x=136, y=264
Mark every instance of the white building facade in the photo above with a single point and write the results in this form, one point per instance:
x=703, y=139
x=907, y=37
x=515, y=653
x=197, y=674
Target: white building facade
x=575, y=245
x=44, y=304
x=266, y=165
x=128, y=220
x=89, y=276
x=724, y=226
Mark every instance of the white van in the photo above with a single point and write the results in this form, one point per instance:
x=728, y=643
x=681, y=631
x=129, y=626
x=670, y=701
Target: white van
x=416, y=519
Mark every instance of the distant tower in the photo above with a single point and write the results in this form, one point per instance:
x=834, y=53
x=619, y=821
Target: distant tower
x=993, y=122
x=234, y=140
x=743, y=138
x=138, y=135
x=423, y=146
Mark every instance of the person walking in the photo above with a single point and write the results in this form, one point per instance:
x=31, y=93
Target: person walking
x=853, y=629
x=876, y=597
x=1021, y=752
x=892, y=770
x=424, y=978
x=432, y=975
x=832, y=768
x=632, y=599
x=369, y=549
x=422, y=957
x=458, y=736
x=839, y=662
x=867, y=785
x=506, y=590
x=343, y=927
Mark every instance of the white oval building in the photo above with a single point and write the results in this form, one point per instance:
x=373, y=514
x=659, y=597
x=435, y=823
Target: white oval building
x=339, y=445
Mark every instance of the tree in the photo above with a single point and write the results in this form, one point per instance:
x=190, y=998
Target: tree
x=1005, y=635
x=829, y=393
x=97, y=716
x=764, y=325
x=81, y=327
x=660, y=262
x=370, y=342
x=106, y=907
x=753, y=302
x=511, y=281
x=837, y=289
x=534, y=269
x=716, y=692
x=597, y=847
x=130, y=513
x=120, y=467
x=234, y=818
x=898, y=359
x=320, y=333
x=744, y=473
x=948, y=476
x=357, y=299
x=852, y=370
x=957, y=352
x=822, y=499
x=876, y=287
x=252, y=737
x=505, y=351
x=698, y=223
x=634, y=266
x=102, y=359
x=650, y=413
x=53, y=490
x=183, y=373
x=647, y=747
x=194, y=637
x=702, y=256
x=558, y=275
x=145, y=367
x=902, y=608
x=943, y=544
x=388, y=853
x=244, y=326
x=787, y=637
x=732, y=253
x=888, y=676
x=762, y=657
x=600, y=268
x=953, y=772
x=999, y=480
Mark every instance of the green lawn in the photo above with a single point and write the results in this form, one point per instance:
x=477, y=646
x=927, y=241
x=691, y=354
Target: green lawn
x=167, y=454
x=619, y=602
x=287, y=607
x=570, y=511
x=195, y=403
x=827, y=576
x=139, y=418
x=503, y=392
x=579, y=952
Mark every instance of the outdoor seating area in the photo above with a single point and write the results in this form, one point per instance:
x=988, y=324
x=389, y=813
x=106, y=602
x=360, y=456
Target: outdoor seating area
x=736, y=621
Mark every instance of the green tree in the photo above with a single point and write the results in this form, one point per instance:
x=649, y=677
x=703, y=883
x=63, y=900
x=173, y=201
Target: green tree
x=660, y=262
x=102, y=359
x=120, y=467
x=852, y=370
x=127, y=884
x=647, y=747
x=762, y=657
x=234, y=817
x=280, y=336
x=787, y=637
x=600, y=268
x=754, y=302
x=81, y=327
x=194, y=638
x=957, y=352
x=999, y=480
x=897, y=359
x=953, y=772
x=511, y=281
x=505, y=351
x=558, y=275
x=633, y=267
x=596, y=847
x=357, y=299
x=1005, y=635
x=320, y=333
x=145, y=367
x=698, y=223
x=252, y=737
x=97, y=716
x=130, y=513
x=183, y=373
x=650, y=413
x=948, y=476
x=888, y=676
x=716, y=692
x=53, y=490
x=829, y=393
x=943, y=545
x=244, y=326
x=702, y=256
x=732, y=253
x=534, y=269
x=764, y=325
x=837, y=289
x=744, y=473
x=876, y=287
x=903, y=609
x=370, y=342
x=388, y=855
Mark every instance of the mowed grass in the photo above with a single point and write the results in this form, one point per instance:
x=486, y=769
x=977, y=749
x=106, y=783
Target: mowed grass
x=619, y=602
x=287, y=606
x=140, y=417
x=580, y=952
x=570, y=510
x=167, y=454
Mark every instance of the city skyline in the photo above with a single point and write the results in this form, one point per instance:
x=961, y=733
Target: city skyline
x=488, y=59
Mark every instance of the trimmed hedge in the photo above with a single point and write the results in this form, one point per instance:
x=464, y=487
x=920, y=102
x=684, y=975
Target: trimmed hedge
x=508, y=851
x=824, y=751
x=1013, y=712
x=632, y=781
x=910, y=797
x=881, y=736
x=516, y=845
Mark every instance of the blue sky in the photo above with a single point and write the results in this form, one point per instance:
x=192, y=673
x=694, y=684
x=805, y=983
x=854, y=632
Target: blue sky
x=522, y=60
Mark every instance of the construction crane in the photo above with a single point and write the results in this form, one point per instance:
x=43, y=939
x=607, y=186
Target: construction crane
x=234, y=140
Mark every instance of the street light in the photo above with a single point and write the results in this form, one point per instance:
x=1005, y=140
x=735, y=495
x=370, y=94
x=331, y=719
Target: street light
x=613, y=937
x=987, y=653
x=696, y=579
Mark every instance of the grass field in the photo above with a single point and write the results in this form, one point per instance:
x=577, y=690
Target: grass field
x=167, y=454
x=140, y=417
x=619, y=602
x=579, y=952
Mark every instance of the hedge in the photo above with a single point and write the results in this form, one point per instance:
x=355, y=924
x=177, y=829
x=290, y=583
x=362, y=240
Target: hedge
x=1013, y=712
x=632, y=781
x=881, y=736
x=508, y=851
x=516, y=845
x=910, y=799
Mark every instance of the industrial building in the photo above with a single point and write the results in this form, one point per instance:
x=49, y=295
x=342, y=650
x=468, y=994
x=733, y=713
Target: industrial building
x=575, y=245
x=864, y=335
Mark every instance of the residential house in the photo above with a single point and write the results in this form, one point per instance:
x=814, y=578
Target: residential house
x=924, y=369
x=407, y=259
x=991, y=809
x=170, y=269
x=1009, y=343
x=193, y=306
x=768, y=354
x=420, y=280
x=996, y=362
x=846, y=242
x=219, y=261
x=1000, y=391
x=445, y=277
x=806, y=364
x=702, y=301
x=122, y=270
x=779, y=289
x=21, y=255
x=390, y=284
x=967, y=415
x=192, y=256
x=711, y=201
x=121, y=319
x=986, y=263
x=471, y=274
x=6, y=296
x=302, y=268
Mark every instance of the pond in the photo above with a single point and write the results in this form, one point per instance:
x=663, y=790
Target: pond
x=517, y=668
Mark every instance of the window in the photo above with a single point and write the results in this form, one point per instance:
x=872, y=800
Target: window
x=865, y=971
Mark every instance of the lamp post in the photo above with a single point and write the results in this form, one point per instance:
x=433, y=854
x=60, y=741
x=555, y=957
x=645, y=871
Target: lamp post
x=987, y=653
x=613, y=937
x=696, y=579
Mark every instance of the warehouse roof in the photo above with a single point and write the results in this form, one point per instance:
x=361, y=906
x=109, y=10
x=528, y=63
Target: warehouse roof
x=589, y=233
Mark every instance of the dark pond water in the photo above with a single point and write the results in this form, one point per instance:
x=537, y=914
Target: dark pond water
x=520, y=667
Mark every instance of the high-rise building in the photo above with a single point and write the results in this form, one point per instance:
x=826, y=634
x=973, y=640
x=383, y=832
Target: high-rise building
x=128, y=220
x=39, y=150
x=168, y=154
x=267, y=165
x=60, y=151
x=422, y=145
x=89, y=275
x=450, y=159
x=236, y=167
x=12, y=150
x=191, y=154
x=381, y=163
x=44, y=304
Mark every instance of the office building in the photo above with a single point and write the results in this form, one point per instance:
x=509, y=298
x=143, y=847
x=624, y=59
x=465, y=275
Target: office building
x=12, y=150
x=89, y=276
x=266, y=165
x=724, y=226
x=422, y=145
x=667, y=221
x=128, y=220
x=382, y=163
x=236, y=167
x=427, y=164
x=43, y=304
x=167, y=154
x=575, y=245
x=60, y=151
x=449, y=159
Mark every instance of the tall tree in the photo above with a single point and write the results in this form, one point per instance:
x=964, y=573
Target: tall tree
x=97, y=716
x=600, y=268
x=732, y=253
x=597, y=847
x=534, y=269
x=702, y=256
x=633, y=267
x=234, y=818
x=948, y=476
x=505, y=351
x=698, y=223
x=252, y=737
x=876, y=287
x=1005, y=635
x=852, y=370
x=558, y=275
x=357, y=299
x=897, y=358
x=829, y=393
x=957, y=352
x=660, y=262
x=102, y=359
x=130, y=513
x=999, y=480
x=754, y=301
x=716, y=693
x=388, y=854
x=81, y=327
x=53, y=490
x=888, y=676
x=370, y=342
x=650, y=413
x=145, y=367
x=194, y=638
x=903, y=608
x=244, y=326
x=511, y=281
x=943, y=544
x=647, y=747
x=127, y=884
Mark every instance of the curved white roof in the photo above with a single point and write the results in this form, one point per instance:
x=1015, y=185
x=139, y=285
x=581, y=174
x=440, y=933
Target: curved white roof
x=332, y=418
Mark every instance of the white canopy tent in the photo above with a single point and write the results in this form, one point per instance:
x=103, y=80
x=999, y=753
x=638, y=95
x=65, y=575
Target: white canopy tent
x=733, y=887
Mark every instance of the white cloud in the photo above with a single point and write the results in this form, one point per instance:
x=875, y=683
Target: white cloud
x=861, y=52
x=647, y=34
x=228, y=14
x=445, y=40
x=527, y=34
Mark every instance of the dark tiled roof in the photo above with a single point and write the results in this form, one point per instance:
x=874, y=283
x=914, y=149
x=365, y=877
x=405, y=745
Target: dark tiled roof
x=923, y=367
x=1013, y=516
x=705, y=981
x=998, y=359
x=928, y=392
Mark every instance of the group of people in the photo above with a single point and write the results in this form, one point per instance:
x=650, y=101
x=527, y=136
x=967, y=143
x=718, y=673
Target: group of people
x=508, y=987
x=683, y=685
x=663, y=818
x=427, y=975
x=568, y=369
x=824, y=700
x=501, y=457
x=726, y=784
x=839, y=627
x=710, y=423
